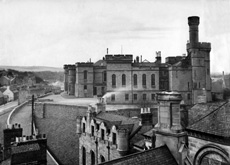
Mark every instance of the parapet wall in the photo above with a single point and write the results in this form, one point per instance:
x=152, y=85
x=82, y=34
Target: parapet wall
x=58, y=122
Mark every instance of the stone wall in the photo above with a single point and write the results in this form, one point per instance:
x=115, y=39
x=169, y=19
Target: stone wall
x=99, y=148
x=58, y=122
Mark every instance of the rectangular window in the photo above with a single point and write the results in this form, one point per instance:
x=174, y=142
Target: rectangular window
x=188, y=96
x=188, y=85
x=126, y=97
x=134, y=96
x=102, y=134
x=153, y=96
x=83, y=127
x=92, y=130
x=144, y=96
x=85, y=87
x=114, y=141
x=208, y=71
x=113, y=97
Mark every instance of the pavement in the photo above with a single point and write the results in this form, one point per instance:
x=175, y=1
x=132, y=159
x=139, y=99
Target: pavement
x=5, y=107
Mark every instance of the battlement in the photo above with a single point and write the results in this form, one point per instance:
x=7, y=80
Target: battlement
x=119, y=58
x=84, y=64
x=71, y=67
x=200, y=45
x=24, y=138
x=193, y=20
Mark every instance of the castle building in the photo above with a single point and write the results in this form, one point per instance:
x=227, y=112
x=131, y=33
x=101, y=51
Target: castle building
x=124, y=80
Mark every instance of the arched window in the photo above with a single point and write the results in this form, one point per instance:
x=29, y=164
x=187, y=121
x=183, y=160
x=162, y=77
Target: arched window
x=144, y=80
x=92, y=157
x=135, y=80
x=153, y=80
x=123, y=80
x=102, y=159
x=85, y=74
x=113, y=80
x=83, y=156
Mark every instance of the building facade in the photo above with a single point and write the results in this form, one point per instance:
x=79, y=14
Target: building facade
x=121, y=79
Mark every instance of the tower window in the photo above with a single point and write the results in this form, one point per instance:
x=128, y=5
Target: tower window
x=85, y=74
x=188, y=96
x=208, y=71
x=104, y=76
x=144, y=80
x=85, y=87
x=153, y=80
x=135, y=80
x=188, y=85
x=113, y=80
x=123, y=80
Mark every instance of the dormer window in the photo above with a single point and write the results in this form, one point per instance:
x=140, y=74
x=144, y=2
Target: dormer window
x=102, y=134
x=114, y=138
x=83, y=127
x=92, y=130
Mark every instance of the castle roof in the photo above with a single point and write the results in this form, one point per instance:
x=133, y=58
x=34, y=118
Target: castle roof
x=156, y=156
x=215, y=119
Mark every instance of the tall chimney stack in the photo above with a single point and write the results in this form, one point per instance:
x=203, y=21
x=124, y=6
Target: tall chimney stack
x=193, y=23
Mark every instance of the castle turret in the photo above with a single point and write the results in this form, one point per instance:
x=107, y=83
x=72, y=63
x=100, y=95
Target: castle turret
x=169, y=130
x=193, y=23
x=122, y=141
x=200, y=63
x=71, y=79
x=66, y=74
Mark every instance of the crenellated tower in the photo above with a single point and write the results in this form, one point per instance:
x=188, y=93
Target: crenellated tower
x=66, y=74
x=200, y=63
x=71, y=79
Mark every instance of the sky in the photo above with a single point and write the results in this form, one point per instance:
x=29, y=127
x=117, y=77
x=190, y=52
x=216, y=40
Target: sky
x=58, y=32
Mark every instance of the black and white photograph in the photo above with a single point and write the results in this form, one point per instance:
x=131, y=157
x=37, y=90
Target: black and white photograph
x=114, y=82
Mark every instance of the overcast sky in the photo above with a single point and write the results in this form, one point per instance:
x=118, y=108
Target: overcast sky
x=58, y=32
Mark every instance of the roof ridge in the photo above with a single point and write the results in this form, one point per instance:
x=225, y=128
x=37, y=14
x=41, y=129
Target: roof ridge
x=218, y=108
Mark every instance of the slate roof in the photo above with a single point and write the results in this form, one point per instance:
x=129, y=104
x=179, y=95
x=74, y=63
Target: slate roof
x=156, y=156
x=118, y=120
x=216, y=122
x=198, y=111
x=25, y=148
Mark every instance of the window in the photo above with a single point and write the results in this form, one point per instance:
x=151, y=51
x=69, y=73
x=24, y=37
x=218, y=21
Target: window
x=144, y=96
x=188, y=96
x=113, y=97
x=134, y=96
x=135, y=80
x=92, y=130
x=126, y=96
x=102, y=159
x=85, y=87
x=113, y=80
x=153, y=96
x=188, y=85
x=144, y=80
x=123, y=77
x=92, y=158
x=153, y=80
x=208, y=71
x=102, y=134
x=85, y=74
x=114, y=139
x=104, y=76
x=83, y=127
x=83, y=156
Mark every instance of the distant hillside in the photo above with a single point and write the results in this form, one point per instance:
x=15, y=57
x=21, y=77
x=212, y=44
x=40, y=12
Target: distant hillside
x=32, y=68
x=50, y=76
